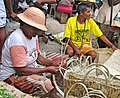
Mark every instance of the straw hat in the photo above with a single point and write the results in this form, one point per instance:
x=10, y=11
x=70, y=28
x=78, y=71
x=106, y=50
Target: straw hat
x=33, y=17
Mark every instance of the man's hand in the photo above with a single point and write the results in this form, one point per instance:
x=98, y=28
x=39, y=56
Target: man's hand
x=13, y=16
x=105, y=40
x=53, y=69
x=56, y=63
x=113, y=47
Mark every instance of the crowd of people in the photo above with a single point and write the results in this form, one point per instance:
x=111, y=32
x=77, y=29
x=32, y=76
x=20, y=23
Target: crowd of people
x=20, y=53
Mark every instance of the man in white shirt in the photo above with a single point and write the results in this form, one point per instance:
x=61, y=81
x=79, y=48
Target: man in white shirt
x=21, y=57
x=2, y=26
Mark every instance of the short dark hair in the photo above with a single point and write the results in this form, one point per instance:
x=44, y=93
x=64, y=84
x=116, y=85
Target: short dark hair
x=21, y=22
x=82, y=7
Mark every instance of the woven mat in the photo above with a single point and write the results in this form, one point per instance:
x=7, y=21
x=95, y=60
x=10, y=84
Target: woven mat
x=103, y=55
x=113, y=63
x=55, y=56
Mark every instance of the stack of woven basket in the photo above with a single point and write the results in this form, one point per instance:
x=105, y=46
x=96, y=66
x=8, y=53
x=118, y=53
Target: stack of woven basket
x=95, y=76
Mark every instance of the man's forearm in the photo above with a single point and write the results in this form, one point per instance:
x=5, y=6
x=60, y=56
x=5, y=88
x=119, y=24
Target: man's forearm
x=105, y=40
x=9, y=6
x=44, y=61
x=29, y=70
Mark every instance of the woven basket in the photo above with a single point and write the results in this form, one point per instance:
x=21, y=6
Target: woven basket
x=111, y=88
x=87, y=92
x=103, y=54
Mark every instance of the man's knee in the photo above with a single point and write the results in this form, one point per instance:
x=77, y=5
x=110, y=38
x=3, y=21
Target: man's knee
x=70, y=53
x=48, y=85
x=93, y=54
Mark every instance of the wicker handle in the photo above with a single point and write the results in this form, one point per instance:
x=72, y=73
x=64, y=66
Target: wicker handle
x=86, y=61
x=114, y=77
x=87, y=96
x=97, y=65
x=72, y=59
x=104, y=73
x=97, y=93
x=81, y=57
x=60, y=70
x=56, y=86
x=89, y=92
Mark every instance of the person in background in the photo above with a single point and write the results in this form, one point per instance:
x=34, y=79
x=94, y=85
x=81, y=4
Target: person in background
x=11, y=8
x=66, y=2
x=21, y=56
x=2, y=26
x=103, y=17
x=66, y=6
x=105, y=11
x=77, y=32
x=43, y=4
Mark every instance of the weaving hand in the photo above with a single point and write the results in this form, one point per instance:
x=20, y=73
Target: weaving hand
x=56, y=63
x=53, y=69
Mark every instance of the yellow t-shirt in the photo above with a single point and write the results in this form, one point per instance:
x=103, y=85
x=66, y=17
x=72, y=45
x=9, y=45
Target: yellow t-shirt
x=80, y=33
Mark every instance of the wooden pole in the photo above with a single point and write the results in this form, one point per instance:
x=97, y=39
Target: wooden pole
x=111, y=12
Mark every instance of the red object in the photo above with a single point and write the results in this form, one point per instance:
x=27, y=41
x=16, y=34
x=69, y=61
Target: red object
x=58, y=58
x=113, y=27
x=65, y=9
